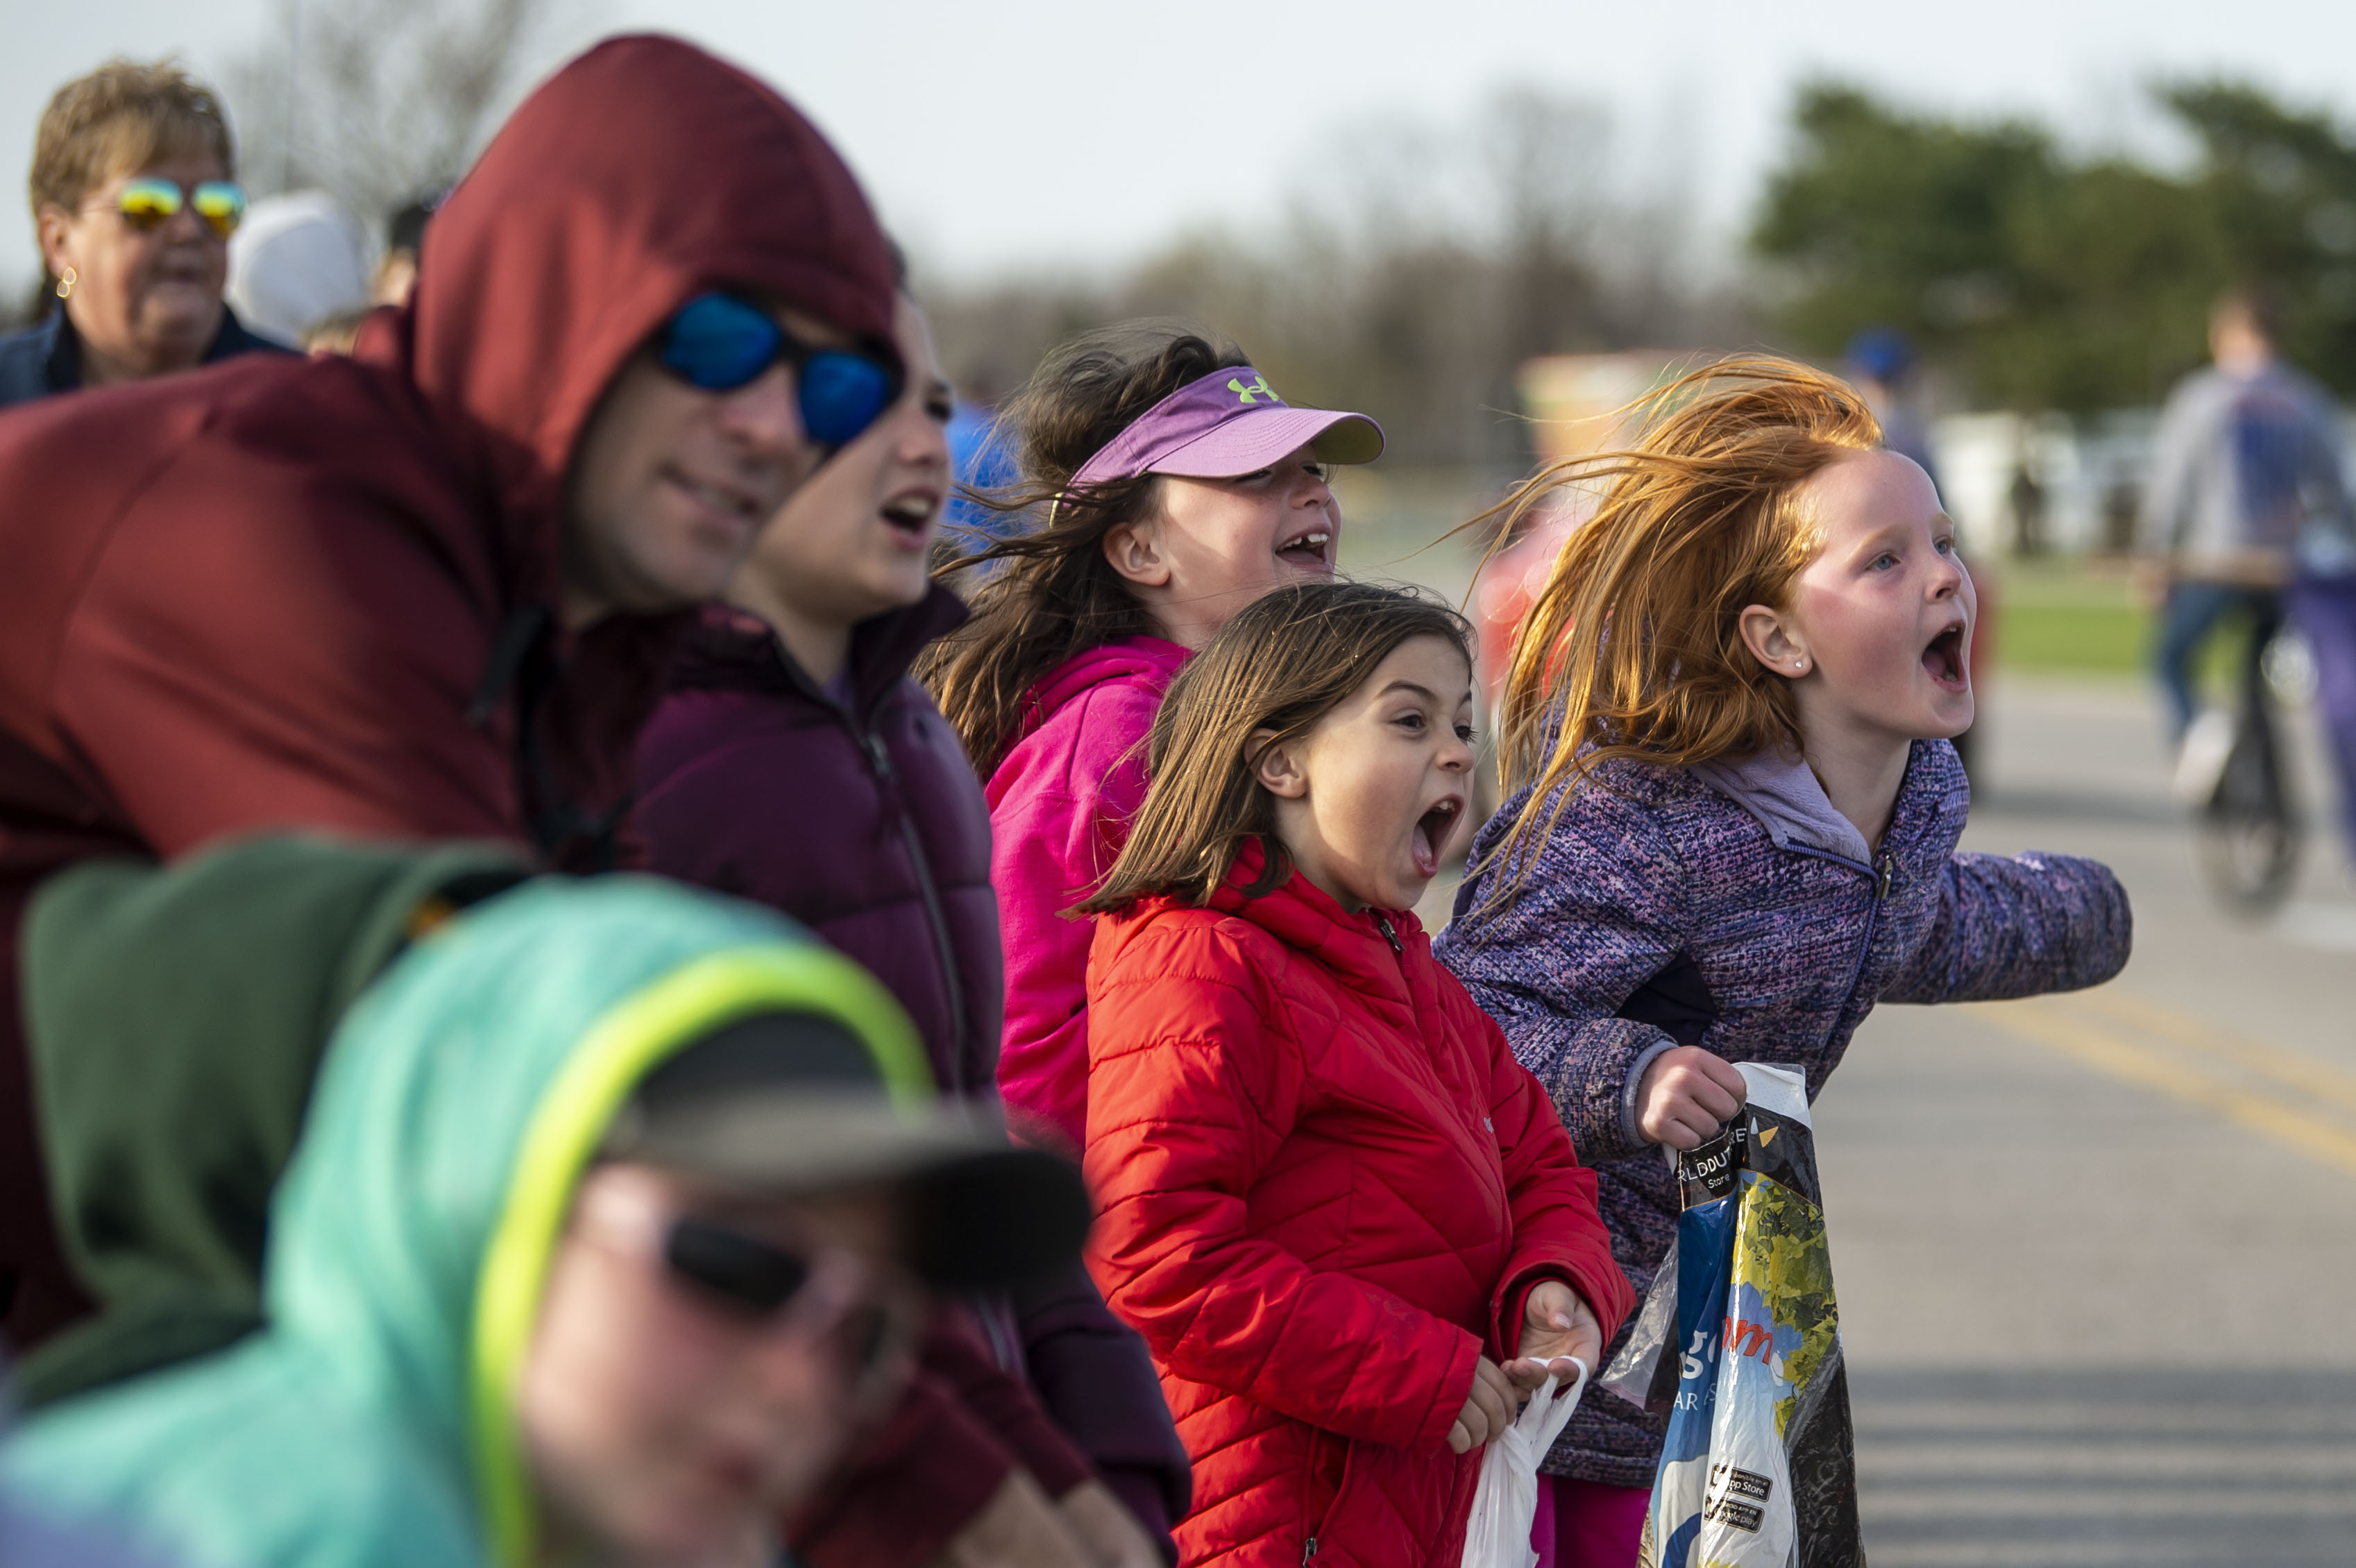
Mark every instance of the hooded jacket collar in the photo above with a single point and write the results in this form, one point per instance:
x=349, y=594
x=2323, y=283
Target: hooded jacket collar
x=731, y=650
x=1142, y=657
x=1306, y=917
x=1789, y=800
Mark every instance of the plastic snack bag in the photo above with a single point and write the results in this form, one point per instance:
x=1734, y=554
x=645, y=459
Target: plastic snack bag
x=1759, y=1467
x=1506, y=1503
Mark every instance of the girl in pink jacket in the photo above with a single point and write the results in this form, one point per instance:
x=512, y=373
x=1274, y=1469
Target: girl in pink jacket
x=1165, y=486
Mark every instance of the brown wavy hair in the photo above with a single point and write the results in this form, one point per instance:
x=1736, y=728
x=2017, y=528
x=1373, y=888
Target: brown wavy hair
x=1633, y=649
x=1281, y=665
x=1050, y=593
x=118, y=120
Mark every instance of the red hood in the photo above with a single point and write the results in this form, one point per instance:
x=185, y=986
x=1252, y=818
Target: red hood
x=678, y=174
x=1131, y=658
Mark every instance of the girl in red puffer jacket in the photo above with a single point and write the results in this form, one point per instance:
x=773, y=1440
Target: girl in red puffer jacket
x=1347, y=1222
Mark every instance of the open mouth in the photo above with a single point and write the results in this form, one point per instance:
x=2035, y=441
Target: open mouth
x=1944, y=659
x=1312, y=548
x=912, y=514
x=1432, y=832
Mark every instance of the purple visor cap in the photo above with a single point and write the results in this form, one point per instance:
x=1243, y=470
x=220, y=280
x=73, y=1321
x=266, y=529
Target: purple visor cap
x=1228, y=423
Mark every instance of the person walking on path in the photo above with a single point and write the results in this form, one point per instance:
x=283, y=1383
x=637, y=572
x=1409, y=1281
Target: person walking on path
x=796, y=763
x=1734, y=813
x=433, y=590
x=135, y=198
x=607, y=1232
x=1173, y=487
x=1345, y=1217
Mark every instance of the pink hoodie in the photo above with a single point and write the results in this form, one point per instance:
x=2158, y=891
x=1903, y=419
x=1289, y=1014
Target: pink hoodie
x=1060, y=804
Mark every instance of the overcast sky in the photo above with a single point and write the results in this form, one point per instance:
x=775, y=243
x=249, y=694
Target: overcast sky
x=1080, y=133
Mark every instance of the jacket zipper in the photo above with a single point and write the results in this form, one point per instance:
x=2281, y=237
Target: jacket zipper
x=1881, y=870
x=1390, y=935
x=1308, y=1552
x=880, y=757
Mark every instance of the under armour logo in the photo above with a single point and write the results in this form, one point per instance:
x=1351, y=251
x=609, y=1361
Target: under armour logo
x=1257, y=390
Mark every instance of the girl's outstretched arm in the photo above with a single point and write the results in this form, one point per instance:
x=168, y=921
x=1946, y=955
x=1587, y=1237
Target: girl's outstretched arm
x=2016, y=926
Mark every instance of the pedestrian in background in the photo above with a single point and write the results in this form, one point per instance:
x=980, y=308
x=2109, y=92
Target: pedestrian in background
x=1734, y=817
x=2245, y=475
x=1345, y=1219
x=134, y=197
x=1171, y=487
x=796, y=763
x=298, y=261
x=607, y=1233
x=432, y=590
x=404, y=242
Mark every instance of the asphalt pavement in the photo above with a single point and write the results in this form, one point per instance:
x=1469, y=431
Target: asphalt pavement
x=2096, y=1254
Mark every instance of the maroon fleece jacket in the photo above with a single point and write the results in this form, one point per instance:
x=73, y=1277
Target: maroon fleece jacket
x=866, y=823
x=319, y=593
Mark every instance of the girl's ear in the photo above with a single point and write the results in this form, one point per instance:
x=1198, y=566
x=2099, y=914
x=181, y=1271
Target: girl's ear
x=1135, y=551
x=1276, y=767
x=1774, y=642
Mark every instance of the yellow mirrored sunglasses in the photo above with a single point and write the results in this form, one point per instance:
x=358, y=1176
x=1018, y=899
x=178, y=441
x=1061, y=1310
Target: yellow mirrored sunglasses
x=147, y=203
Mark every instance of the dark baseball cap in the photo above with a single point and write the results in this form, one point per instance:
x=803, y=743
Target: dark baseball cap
x=797, y=1104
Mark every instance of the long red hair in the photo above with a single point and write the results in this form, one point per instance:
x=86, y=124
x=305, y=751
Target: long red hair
x=1633, y=648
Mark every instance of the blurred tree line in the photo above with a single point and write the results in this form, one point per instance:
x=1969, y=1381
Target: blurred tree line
x=378, y=103
x=1424, y=267
x=2039, y=280
x=1416, y=280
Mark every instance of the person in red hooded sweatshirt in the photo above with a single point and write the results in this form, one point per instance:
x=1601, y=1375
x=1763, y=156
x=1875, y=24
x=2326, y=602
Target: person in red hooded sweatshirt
x=1345, y=1219
x=431, y=590
x=795, y=763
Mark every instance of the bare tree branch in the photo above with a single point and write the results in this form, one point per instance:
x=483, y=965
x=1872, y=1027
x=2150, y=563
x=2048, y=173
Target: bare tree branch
x=376, y=102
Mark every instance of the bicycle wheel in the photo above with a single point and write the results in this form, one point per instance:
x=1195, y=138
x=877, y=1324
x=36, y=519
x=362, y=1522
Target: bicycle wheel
x=2249, y=832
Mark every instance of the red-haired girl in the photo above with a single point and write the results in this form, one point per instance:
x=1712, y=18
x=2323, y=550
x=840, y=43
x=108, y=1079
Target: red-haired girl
x=1728, y=716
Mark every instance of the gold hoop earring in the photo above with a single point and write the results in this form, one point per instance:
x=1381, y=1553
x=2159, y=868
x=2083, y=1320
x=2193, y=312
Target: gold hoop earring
x=65, y=281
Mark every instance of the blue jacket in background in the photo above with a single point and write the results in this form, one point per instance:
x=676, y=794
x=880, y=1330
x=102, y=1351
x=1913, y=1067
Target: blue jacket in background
x=42, y=360
x=981, y=455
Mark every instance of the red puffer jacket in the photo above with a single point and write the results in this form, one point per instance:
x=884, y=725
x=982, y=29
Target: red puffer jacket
x=1326, y=1190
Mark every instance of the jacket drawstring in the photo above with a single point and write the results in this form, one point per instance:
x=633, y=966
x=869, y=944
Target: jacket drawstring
x=523, y=661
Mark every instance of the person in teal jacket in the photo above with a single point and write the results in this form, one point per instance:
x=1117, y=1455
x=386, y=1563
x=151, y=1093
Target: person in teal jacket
x=603, y=1232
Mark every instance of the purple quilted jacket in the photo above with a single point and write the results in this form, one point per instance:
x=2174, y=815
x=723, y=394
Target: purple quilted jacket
x=1661, y=911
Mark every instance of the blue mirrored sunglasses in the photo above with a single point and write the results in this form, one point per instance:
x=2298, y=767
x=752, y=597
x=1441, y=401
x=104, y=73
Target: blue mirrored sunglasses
x=719, y=343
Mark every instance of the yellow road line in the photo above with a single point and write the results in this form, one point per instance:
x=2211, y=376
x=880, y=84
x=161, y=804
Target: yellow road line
x=2042, y=1024
x=2305, y=1075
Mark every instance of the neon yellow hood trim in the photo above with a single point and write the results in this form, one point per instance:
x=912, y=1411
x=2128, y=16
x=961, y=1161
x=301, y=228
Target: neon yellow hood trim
x=627, y=1042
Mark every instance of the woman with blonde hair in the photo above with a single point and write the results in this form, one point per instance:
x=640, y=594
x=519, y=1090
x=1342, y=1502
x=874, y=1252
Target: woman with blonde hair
x=1734, y=813
x=134, y=197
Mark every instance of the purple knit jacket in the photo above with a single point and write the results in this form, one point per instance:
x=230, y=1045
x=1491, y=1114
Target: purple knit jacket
x=1659, y=911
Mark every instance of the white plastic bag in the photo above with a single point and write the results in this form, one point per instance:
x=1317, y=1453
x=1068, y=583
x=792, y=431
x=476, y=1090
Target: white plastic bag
x=1506, y=1502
